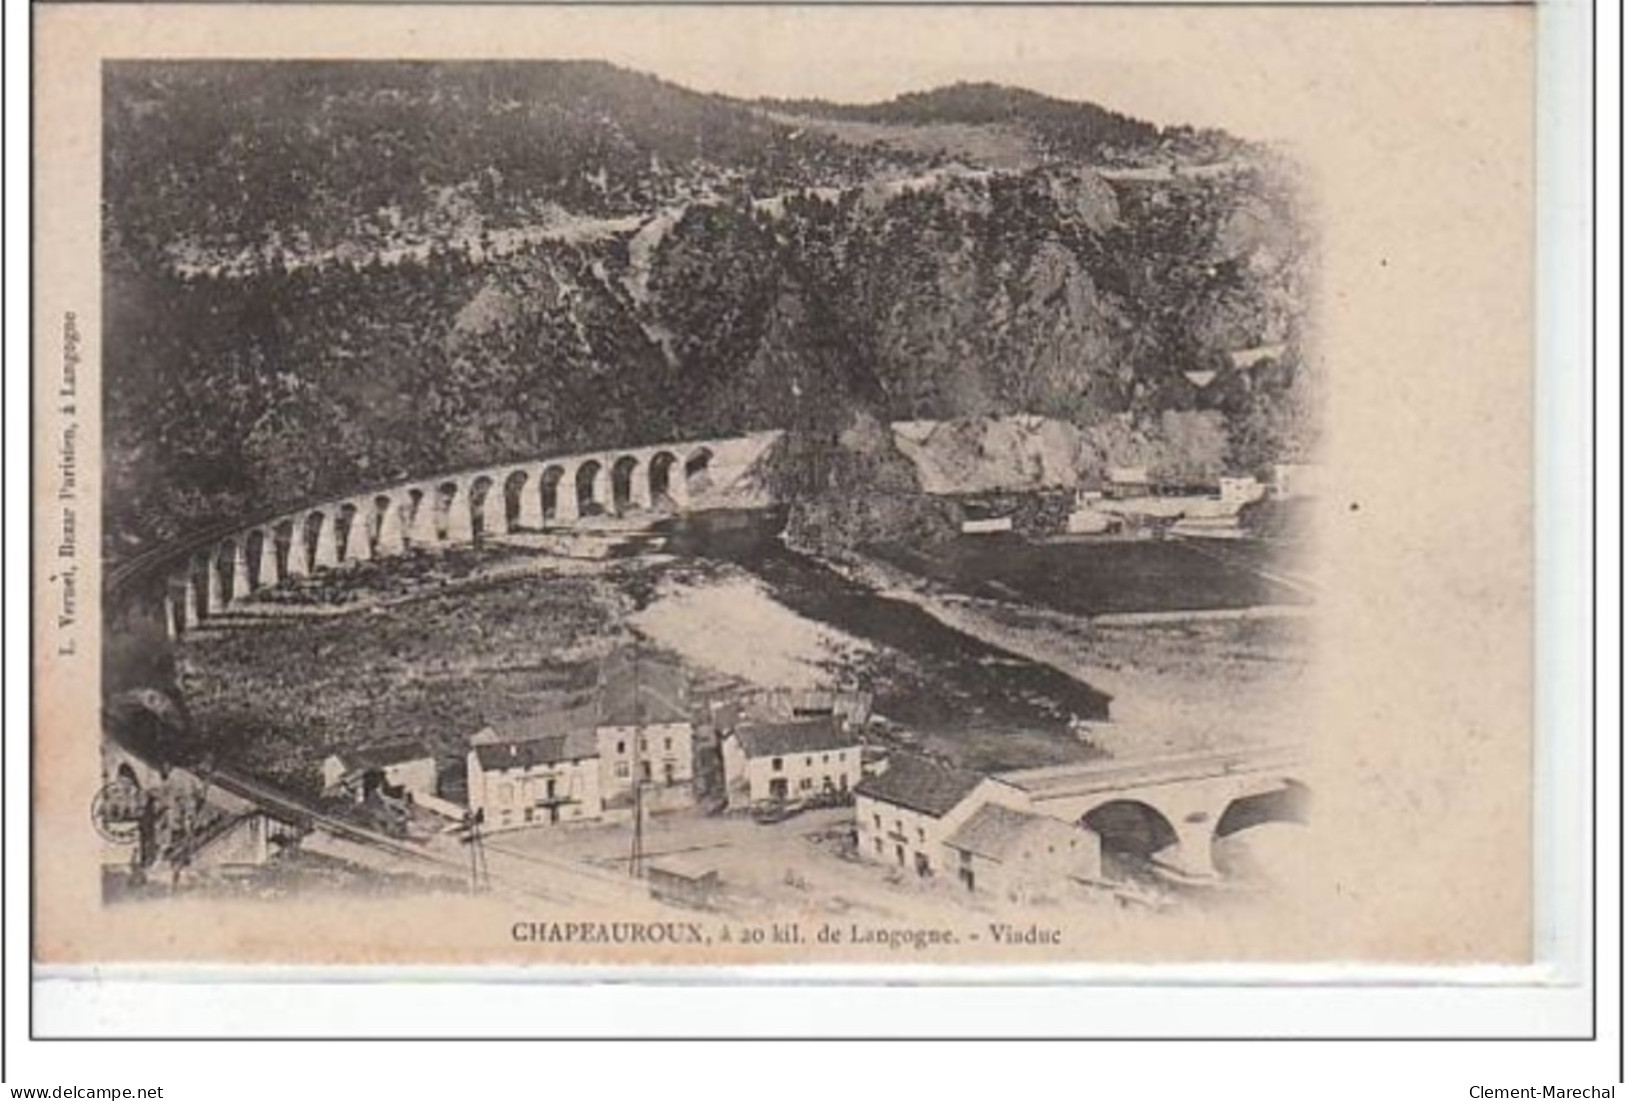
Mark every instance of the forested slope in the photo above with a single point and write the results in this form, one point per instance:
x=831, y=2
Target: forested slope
x=318, y=276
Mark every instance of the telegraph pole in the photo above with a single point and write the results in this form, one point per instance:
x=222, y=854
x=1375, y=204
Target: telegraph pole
x=635, y=864
x=479, y=874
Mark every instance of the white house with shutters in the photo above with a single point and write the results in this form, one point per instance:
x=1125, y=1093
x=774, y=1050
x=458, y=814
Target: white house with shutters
x=780, y=762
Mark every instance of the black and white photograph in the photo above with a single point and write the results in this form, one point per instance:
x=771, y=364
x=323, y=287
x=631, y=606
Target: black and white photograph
x=543, y=478
x=660, y=496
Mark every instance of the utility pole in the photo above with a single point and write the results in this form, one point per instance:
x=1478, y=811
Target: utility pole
x=479, y=873
x=634, y=865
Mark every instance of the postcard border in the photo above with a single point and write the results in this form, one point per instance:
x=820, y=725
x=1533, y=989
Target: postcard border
x=1590, y=132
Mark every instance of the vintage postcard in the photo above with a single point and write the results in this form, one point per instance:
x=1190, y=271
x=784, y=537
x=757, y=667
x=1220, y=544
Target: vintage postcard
x=786, y=485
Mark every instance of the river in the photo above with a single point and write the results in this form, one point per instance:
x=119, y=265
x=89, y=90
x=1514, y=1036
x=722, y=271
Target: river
x=986, y=706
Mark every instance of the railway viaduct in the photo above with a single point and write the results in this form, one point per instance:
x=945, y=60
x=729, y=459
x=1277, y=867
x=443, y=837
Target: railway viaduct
x=211, y=575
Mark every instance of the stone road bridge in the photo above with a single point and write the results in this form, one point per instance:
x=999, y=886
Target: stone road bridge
x=211, y=572
x=1171, y=809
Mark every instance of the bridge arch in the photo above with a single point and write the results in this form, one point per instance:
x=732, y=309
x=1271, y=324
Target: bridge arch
x=229, y=566
x=260, y=547
x=367, y=523
x=180, y=605
x=697, y=470
x=1287, y=803
x=622, y=481
x=1131, y=827
x=321, y=539
x=349, y=533
x=557, y=493
x=589, y=496
x=288, y=538
x=667, y=489
x=391, y=525
x=455, y=513
x=488, y=507
x=423, y=526
x=516, y=486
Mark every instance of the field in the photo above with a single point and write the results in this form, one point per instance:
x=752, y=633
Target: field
x=279, y=693
x=1092, y=578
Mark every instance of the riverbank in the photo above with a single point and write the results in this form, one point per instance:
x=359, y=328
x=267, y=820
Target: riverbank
x=1179, y=682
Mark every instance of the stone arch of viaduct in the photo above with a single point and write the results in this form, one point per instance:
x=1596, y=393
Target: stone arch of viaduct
x=444, y=511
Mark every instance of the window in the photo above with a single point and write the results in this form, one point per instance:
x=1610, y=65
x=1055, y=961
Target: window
x=826, y=758
x=669, y=771
x=877, y=821
x=806, y=783
x=622, y=769
x=841, y=756
x=922, y=865
x=809, y=762
x=921, y=832
x=880, y=846
x=778, y=764
x=620, y=747
x=668, y=743
x=645, y=770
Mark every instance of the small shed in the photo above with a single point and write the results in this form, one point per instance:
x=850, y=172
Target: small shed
x=407, y=765
x=684, y=881
x=991, y=525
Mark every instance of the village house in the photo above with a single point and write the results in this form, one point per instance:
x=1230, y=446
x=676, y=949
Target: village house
x=1021, y=856
x=237, y=844
x=906, y=813
x=781, y=704
x=1124, y=482
x=404, y=765
x=1297, y=480
x=645, y=731
x=534, y=781
x=1240, y=490
x=777, y=762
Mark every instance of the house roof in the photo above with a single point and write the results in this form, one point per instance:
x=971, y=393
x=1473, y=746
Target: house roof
x=550, y=749
x=539, y=724
x=920, y=784
x=1251, y=357
x=803, y=736
x=640, y=689
x=999, y=833
x=383, y=754
x=684, y=867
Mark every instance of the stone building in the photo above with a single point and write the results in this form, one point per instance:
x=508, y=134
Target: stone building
x=779, y=762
